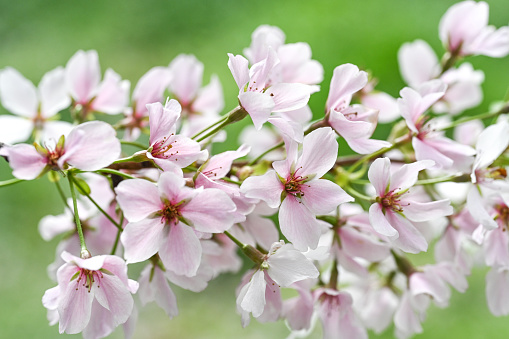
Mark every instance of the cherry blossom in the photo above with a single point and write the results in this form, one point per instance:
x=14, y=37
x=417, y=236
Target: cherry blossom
x=296, y=185
x=35, y=109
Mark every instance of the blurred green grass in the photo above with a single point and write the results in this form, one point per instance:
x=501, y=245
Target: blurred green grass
x=133, y=36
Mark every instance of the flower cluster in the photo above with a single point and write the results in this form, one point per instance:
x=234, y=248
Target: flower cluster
x=333, y=227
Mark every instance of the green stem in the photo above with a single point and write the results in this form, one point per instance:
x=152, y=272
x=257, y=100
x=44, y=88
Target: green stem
x=281, y=144
x=209, y=127
x=62, y=195
x=357, y=194
x=114, y=249
x=133, y=143
x=112, y=171
x=77, y=184
x=84, y=250
x=482, y=116
x=10, y=182
x=453, y=178
x=235, y=115
x=232, y=181
x=235, y=240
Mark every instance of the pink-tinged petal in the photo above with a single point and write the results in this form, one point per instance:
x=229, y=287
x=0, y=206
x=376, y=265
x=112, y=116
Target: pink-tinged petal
x=142, y=239
x=496, y=249
x=491, y=143
x=53, y=93
x=263, y=37
x=410, y=239
x=262, y=229
x=259, y=72
x=379, y=175
x=252, y=295
x=179, y=150
x=18, y=94
x=82, y=75
x=210, y=211
x=265, y=187
x=219, y=165
x=406, y=320
x=418, y=63
x=118, y=267
x=50, y=226
x=171, y=187
x=273, y=301
x=424, y=211
x=181, y=250
x=298, y=224
x=367, y=146
x=210, y=98
x=298, y=311
x=425, y=152
x=51, y=297
x=112, y=95
x=384, y=103
x=358, y=244
x=285, y=168
x=138, y=199
x=380, y=222
x=114, y=296
x=406, y=176
x=350, y=129
x=54, y=129
x=187, y=73
x=288, y=97
x=258, y=105
x=14, y=129
x=459, y=97
x=74, y=309
x=291, y=129
x=288, y=265
x=297, y=66
x=93, y=264
x=101, y=322
x=196, y=283
x=490, y=42
x=239, y=66
x=26, y=162
x=323, y=196
x=319, y=153
x=497, y=292
x=462, y=23
x=162, y=119
x=157, y=289
x=346, y=80
x=477, y=209
x=426, y=283
x=91, y=146
x=150, y=88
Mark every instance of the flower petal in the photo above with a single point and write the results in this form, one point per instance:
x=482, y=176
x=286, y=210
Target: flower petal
x=379, y=175
x=142, y=239
x=265, y=187
x=380, y=222
x=298, y=224
x=323, y=196
x=138, y=199
x=18, y=94
x=319, y=153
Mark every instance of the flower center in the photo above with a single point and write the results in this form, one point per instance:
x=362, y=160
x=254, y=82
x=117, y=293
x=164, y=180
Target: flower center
x=86, y=278
x=170, y=213
x=293, y=184
x=503, y=214
x=162, y=147
x=391, y=201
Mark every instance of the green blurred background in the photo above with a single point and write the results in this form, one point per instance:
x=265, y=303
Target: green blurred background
x=133, y=36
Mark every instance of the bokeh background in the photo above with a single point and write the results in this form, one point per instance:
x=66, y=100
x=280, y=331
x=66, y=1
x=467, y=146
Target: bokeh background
x=133, y=36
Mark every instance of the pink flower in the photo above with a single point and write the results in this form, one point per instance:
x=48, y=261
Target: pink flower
x=258, y=95
x=429, y=144
x=396, y=209
x=419, y=64
x=83, y=76
x=168, y=150
x=149, y=89
x=93, y=295
x=464, y=31
x=283, y=265
x=163, y=219
x=89, y=147
x=296, y=185
x=337, y=315
x=355, y=123
x=35, y=108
